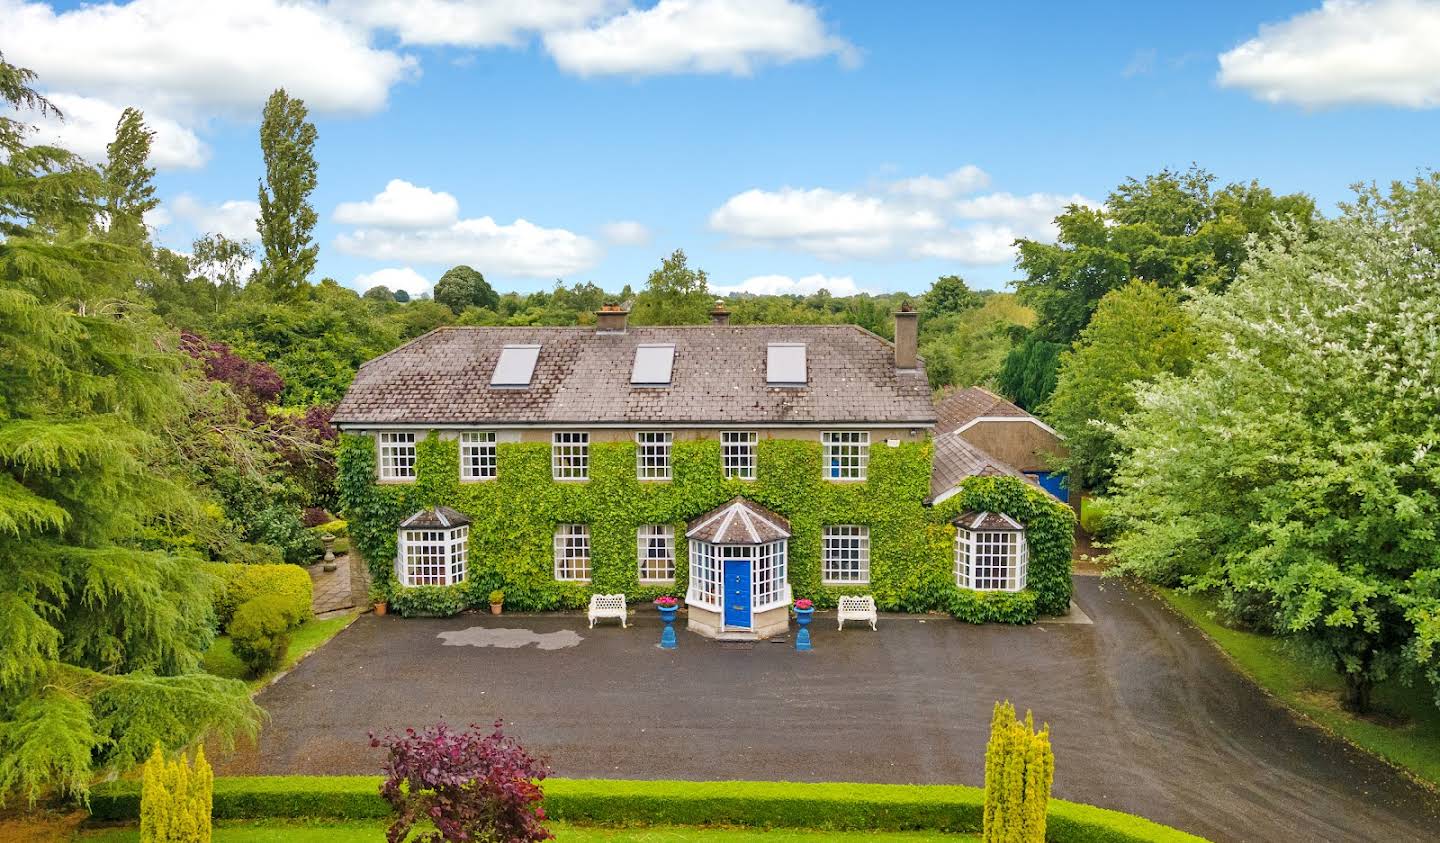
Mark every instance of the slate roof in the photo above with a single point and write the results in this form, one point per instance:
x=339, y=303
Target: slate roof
x=439, y=518
x=962, y=406
x=739, y=522
x=957, y=458
x=584, y=377
x=987, y=521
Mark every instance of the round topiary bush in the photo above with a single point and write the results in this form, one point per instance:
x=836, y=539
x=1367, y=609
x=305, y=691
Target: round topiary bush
x=260, y=632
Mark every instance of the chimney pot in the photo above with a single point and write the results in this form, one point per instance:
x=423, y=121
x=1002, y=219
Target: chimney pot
x=907, y=337
x=719, y=314
x=611, y=319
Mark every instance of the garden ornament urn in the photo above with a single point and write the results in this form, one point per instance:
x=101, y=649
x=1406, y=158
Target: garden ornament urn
x=667, y=607
x=329, y=541
x=804, y=613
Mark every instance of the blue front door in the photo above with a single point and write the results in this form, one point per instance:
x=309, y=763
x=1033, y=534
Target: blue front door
x=737, y=593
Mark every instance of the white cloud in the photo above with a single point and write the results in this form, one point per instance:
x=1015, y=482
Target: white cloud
x=1386, y=52
x=625, y=233
x=698, y=36
x=158, y=217
x=393, y=278
x=770, y=285
x=203, y=55
x=234, y=218
x=967, y=179
x=1032, y=214
x=89, y=125
x=977, y=244
x=401, y=205
x=468, y=23
x=518, y=249
x=820, y=221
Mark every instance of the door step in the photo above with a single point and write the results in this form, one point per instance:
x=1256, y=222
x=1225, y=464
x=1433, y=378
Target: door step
x=731, y=634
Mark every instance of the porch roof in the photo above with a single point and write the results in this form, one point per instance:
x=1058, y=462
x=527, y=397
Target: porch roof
x=740, y=521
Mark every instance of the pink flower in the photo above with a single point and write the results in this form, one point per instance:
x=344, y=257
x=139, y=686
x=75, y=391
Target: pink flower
x=804, y=603
x=666, y=601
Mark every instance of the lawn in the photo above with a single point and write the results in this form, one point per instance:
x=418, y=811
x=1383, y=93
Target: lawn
x=220, y=658
x=274, y=832
x=1405, y=729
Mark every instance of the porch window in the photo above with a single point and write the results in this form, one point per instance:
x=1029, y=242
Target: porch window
x=652, y=454
x=570, y=455
x=847, y=454
x=845, y=555
x=991, y=559
x=705, y=575
x=572, y=552
x=737, y=453
x=396, y=455
x=655, y=548
x=433, y=557
x=477, y=455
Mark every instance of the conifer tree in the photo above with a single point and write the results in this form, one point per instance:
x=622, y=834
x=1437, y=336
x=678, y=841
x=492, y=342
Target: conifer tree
x=129, y=186
x=287, y=143
x=101, y=628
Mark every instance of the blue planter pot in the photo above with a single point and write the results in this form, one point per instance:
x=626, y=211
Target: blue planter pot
x=667, y=635
x=803, y=618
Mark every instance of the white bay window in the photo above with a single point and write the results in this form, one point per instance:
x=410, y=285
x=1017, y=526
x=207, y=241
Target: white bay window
x=991, y=553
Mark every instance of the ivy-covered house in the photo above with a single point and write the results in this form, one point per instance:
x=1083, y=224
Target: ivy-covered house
x=737, y=467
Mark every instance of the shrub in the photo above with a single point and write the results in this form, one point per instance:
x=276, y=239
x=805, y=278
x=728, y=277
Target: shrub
x=1019, y=769
x=281, y=526
x=260, y=632
x=246, y=553
x=246, y=582
x=337, y=528
x=1093, y=515
x=314, y=516
x=175, y=800
x=994, y=606
x=429, y=601
x=469, y=785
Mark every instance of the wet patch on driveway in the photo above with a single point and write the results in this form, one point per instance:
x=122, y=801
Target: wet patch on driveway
x=506, y=638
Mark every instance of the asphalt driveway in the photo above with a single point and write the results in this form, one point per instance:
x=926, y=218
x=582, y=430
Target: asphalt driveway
x=1145, y=715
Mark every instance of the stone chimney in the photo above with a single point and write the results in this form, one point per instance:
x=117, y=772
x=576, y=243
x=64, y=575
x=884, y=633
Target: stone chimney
x=720, y=314
x=907, y=336
x=610, y=319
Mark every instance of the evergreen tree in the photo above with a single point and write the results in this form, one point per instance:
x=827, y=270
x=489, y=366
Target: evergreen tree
x=101, y=626
x=287, y=220
x=129, y=181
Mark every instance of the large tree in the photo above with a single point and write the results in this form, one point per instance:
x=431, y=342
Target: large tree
x=1296, y=471
x=102, y=619
x=463, y=286
x=1138, y=333
x=287, y=220
x=674, y=294
x=129, y=180
x=950, y=294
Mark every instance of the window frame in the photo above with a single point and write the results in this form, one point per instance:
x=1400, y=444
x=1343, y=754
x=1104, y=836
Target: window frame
x=739, y=459
x=394, y=442
x=835, y=540
x=856, y=463
x=443, y=550
x=477, y=460
x=576, y=567
x=1007, y=572
x=646, y=536
x=564, y=464
x=652, y=459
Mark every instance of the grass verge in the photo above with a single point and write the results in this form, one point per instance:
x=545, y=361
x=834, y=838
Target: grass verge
x=220, y=659
x=1405, y=729
x=277, y=832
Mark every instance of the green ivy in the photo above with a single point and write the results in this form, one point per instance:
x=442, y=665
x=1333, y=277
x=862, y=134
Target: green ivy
x=994, y=606
x=430, y=601
x=511, y=537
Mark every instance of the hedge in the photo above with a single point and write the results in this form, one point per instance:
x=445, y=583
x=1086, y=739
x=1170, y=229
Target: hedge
x=514, y=516
x=838, y=807
x=245, y=582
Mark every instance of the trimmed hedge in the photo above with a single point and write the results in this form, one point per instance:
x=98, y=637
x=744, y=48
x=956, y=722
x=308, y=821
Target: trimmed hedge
x=243, y=583
x=994, y=606
x=841, y=807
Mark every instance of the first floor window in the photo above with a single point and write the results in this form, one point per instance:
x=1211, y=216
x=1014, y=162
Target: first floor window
x=477, y=455
x=433, y=557
x=652, y=454
x=572, y=552
x=396, y=455
x=656, y=551
x=737, y=453
x=845, y=555
x=847, y=454
x=570, y=455
x=991, y=560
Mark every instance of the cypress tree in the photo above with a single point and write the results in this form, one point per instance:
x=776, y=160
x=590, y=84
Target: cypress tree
x=287, y=143
x=129, y=185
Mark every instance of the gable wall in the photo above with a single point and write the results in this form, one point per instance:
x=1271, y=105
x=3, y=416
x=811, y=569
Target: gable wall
x=1020, y=443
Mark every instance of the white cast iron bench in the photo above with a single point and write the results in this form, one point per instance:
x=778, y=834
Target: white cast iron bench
x=607, y=606
x=857, y=609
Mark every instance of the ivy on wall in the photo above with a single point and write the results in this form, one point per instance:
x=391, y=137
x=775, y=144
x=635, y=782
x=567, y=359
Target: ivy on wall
x=515, y=515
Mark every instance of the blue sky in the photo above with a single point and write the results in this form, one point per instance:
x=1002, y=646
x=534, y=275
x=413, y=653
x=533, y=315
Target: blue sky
x=783, y=144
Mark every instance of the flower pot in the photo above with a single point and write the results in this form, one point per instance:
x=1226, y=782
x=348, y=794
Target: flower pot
x=667, y=613
x=380, y=607
x=496, y=607
x=803, y=618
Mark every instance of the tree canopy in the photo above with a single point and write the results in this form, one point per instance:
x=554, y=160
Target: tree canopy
x=287, y=220
x=674, y=294
x=463, y=286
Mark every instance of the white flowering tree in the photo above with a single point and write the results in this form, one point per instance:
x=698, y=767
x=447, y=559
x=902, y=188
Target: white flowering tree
x=1296, y=471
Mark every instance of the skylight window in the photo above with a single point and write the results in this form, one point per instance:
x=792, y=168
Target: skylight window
x=652, y=365
x=516, y=365
x=785, y=364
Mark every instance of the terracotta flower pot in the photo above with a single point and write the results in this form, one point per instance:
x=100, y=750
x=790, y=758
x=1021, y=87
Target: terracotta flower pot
x=496, y=607
x=380, y=608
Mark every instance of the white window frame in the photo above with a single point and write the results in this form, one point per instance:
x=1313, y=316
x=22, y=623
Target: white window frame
x=845, y=554
x=570, y=455
x=432, y=555
x=705, y=576
x=991, y=560
x=572, y=553
x=847, y=455
x=478, y=455
x=739, y=453
x=652, y=454
x=655, y=552
x=395, y=455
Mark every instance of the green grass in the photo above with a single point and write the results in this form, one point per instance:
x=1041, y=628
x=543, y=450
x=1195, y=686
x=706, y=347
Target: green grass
x=1405, y=729
x=279, y=832
x=220, y=659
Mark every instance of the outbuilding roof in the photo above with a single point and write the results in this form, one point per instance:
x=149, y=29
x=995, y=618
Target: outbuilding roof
x=438, y=518
x=956, y=409
x=740, y=521
x=718, y=375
